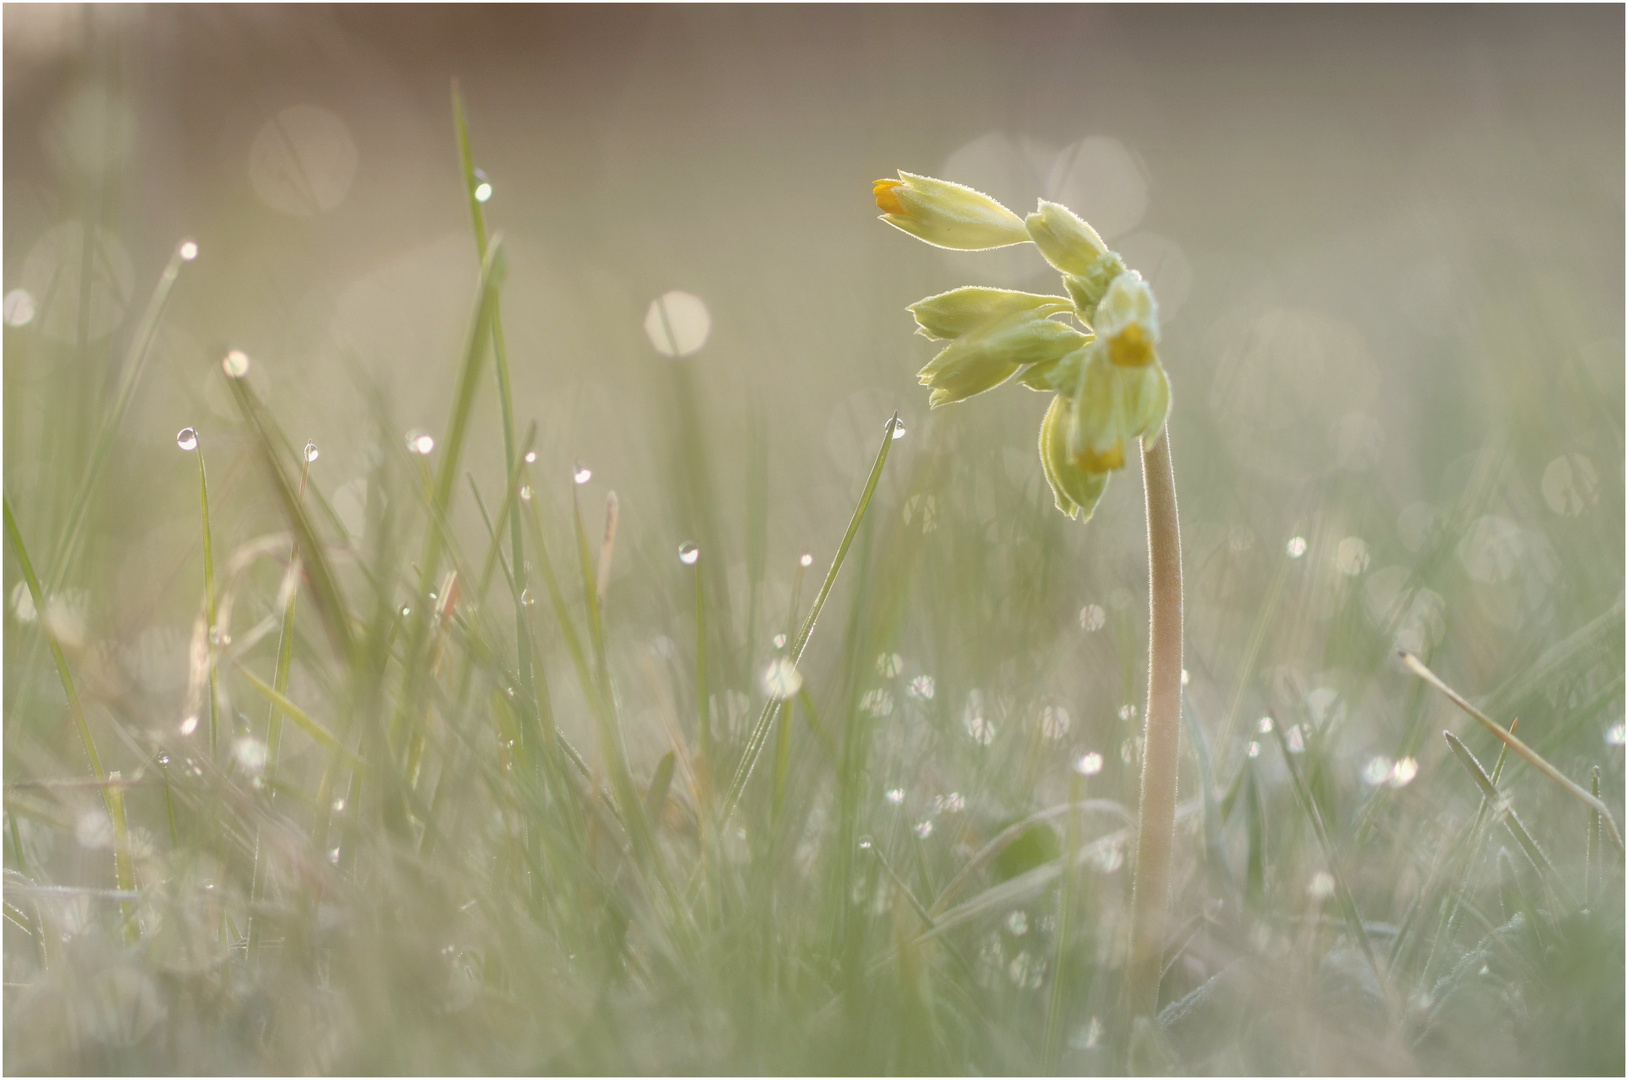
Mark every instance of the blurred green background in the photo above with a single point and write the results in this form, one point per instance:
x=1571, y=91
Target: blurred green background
x=1388, y=249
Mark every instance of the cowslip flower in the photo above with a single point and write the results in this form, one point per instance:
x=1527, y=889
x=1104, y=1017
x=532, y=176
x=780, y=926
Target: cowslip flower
x=1095, y=349
x=947, y=215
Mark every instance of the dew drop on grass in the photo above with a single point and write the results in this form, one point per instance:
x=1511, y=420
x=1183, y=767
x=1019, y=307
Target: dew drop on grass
x=1089, y=764
x=1296, y=547
x=806, y=561
x=531, y=457
x=526, y=599
x=1185, y=678
x=1377, y=771
x=1321, y=886
x=895, y=795
x=780, y=641
x=1254, y=749
x=405, y=611
x=236, y=364
x=688, y=554
x=865, y=843
x=188, y=250
x=189, y=725
x=333, y=856
x=483, y=187
x=250, y=754
x=924, y=828
x=1264, y=726
x=1127, y=712
x=1017, y=923
x=582, y=474
x=187, y=439
x=1614, y=734
x=311, y=452
x=525, y=493
x=781, y=679
x=1092, y=618
x=922, y=687
x=339, y=805
x=1295, y=740
x=896, y=426
x=420, y=441
x=163, y=757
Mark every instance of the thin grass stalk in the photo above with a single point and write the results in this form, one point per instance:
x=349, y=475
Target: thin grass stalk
x=1546, y=871
x=1591, y=860
x=1571, y=787
x=115, y=808
x=703, y=709
x=209, y=603
x=1156, y=817
x=1053, y=1039
x=760, y=731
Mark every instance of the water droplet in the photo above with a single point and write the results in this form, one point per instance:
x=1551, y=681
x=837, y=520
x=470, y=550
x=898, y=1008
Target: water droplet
x=1403, y=772
x=688, y=554
x=780, y=641
x=1377, y=771
x=980, y=729
x=1089, y=764
x=188, y=250
x=1296, y=547
x=311, y=452
x=163, y=757
x=219, y=637
x=1264, y=725
x=189, y=725
x=864, y=843
x=1295, y=740
x=953, y=803
x=1614, y=734
x=582, y=474
x=1017, y=923
x=1351, y=556
x=889, y=665
x=236, y=364
x=339, y=805
x=187, y=439
x=895, y=795
x=250, y=754
x=896, y=426
x=1185, y=678
x=922, y=687
x=1127, y=712
x=419, y=441
x=525, y=493
x=19, y=307
x=924, y=829
x=526, y=599
x=483, y=187
x=531, y=457
x=806, y=561
x=1092, y=618
x=1254, y=749
x=1054, y=722
x=333, y=856
x=1321, y=886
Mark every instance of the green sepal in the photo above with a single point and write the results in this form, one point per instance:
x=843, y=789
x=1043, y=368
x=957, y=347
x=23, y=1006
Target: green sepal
x=963, y=311
x=1074, y=490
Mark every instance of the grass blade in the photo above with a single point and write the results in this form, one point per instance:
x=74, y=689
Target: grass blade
x=760, y=731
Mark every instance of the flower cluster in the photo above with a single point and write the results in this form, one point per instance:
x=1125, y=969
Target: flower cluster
x=1095, y=349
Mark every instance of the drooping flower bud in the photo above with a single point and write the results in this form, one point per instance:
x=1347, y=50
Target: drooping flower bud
x=1073, y=489
x=987, y=357
x=964, y=310
x=947, y=215
x=1128, y=320
x=1067, y=242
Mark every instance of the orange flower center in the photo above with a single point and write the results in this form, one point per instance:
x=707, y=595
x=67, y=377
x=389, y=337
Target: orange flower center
x=886, y=199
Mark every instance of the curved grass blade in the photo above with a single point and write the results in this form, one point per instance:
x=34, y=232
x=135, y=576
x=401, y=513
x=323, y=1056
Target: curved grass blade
x=1532, y=757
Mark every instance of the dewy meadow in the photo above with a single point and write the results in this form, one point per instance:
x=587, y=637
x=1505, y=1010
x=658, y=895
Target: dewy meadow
x=485, y=592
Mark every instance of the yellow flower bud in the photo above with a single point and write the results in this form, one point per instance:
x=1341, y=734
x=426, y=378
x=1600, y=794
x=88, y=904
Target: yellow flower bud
x=947, y=215
x=989, y=356
x=1073, y=489
x=1128, y=320
x=1096, y=422
x=961, y=311
x=1067, y=242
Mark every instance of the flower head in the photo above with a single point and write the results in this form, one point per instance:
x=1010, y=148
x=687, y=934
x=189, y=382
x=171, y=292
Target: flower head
x=1110, y=388
x=947, y=215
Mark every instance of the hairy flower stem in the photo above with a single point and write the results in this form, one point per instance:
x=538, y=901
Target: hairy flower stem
x=1156, y=820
